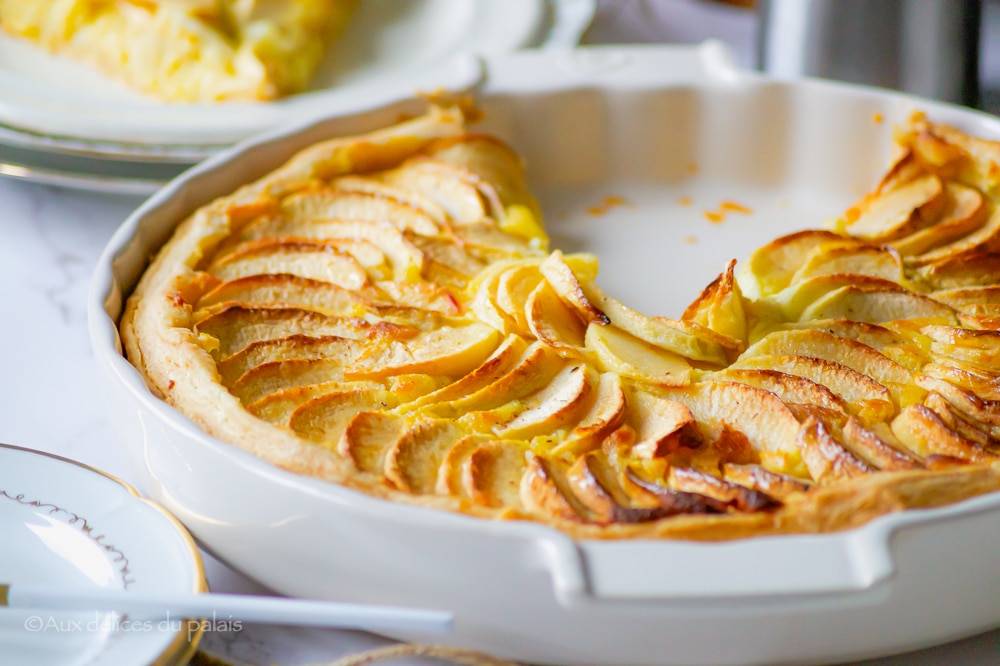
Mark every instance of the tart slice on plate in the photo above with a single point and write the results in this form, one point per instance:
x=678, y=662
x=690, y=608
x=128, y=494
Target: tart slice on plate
x=188, y=50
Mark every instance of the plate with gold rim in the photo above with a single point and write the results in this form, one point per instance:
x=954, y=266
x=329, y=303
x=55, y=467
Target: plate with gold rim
x=66, y=524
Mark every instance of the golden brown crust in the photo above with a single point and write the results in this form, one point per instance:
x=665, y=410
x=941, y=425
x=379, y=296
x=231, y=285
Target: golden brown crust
x=438, y=355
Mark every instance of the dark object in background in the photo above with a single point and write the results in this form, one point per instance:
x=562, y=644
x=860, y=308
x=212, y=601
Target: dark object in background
x=926, y=47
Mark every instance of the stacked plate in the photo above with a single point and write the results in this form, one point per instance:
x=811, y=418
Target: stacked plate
x=62, y=124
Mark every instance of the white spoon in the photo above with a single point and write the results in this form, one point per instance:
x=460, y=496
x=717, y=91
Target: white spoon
x=246, y=608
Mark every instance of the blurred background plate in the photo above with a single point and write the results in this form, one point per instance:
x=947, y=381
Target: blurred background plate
x=62, y=124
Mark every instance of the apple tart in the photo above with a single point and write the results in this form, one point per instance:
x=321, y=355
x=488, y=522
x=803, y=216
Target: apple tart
x=384, y=312
x=188, y=50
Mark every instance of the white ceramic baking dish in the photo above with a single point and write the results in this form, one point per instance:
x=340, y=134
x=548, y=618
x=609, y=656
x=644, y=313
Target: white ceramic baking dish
x=672, y=132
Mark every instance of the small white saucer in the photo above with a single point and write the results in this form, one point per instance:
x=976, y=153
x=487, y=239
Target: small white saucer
x=65, y=524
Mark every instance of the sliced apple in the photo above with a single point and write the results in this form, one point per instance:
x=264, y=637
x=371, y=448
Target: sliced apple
x=367, y=437
x=941, y=144
x=305, y=259
x=920, y=430
x=484, y=297
x=760, y=478
x=598, y=488
x=826, y=459
x=412, y=461
x=405, y=258
x=896, y=213
x=951, y=336
x=833, y=419
x=337, y=204
x=936, y=150
x=978, y=347
x=620, y=352
x=446, y=185
x=420, y=295
x=720, y=306
x=880, y=450
x=661, y=425
x=449, y=351
x=325, y=418
x=732, y=494
x=871, y=260
x=544, y=490
x=289, y=291
x=963, y=269
x=534, y=370
x=983, y=322
x=686, y=338
x=553, y=322
x=277, y=406
x=875, y=336
x=905, y=167
x=979, y=433
x=367, y=254
x=501, y=362
x=556, y=405
x=451, y=472
x=770, y=268
x=759, y=415
x=567, y=286
x=490, y=161
x=981, y=383
x=377, y=188
x=971, y=300
x=237, y=326
x=671, y=502
x=984, y=239
x=964, y=214
x=282, y=349
x=823, y=345
x=492, y=473
x=594, y=486
x=272, y=377
x=606, y=412
x=862, y=394
x=788, y=387
x=449, y=255
x=253, y=228
x=790, y=303
x=975, y=408
x=513, y=290
x=487, y=240
x=876, y=305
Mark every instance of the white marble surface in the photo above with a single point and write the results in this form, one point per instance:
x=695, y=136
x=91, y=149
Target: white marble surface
x=50, y=241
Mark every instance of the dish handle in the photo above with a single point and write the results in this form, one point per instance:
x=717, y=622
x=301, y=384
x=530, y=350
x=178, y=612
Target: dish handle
x=857, y=562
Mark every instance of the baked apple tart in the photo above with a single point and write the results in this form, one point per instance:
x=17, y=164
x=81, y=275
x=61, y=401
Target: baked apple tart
x=188, y=50
x=385, y=312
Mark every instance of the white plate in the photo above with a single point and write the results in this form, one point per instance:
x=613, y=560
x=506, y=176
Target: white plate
x=65, y=524
x=674, y=132
x=391, y=49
